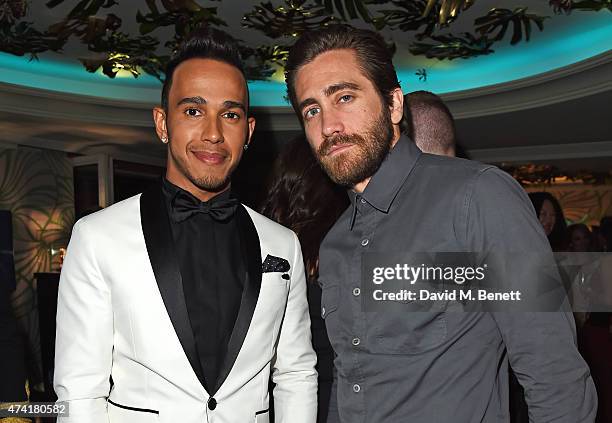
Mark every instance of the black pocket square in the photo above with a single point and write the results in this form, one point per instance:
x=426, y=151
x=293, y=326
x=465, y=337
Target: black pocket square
x=275, y=264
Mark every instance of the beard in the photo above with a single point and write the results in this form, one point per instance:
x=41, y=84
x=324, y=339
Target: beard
x=208, y=183
x=371, y=149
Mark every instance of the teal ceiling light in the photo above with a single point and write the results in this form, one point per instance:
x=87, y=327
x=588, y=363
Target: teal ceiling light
x=588, y=38
x=568, y=39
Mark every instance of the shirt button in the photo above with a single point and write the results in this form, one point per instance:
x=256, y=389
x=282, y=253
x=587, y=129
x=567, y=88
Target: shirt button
x=356, y=292
x=356, y=388
x=356, y=341
x=363, y=201
x=212, y=403
x=365, y=242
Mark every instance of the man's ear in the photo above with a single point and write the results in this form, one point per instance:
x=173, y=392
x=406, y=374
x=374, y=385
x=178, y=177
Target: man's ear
x=250, y=128
x=397, y=109
x=159, y=117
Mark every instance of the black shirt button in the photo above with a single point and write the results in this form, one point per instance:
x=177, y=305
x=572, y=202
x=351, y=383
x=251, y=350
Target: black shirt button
x=212, y=403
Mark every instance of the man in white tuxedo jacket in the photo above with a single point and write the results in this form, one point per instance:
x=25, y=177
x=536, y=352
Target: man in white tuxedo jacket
x=177, y=305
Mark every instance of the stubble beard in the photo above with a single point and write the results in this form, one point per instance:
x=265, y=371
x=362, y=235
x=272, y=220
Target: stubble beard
x=363, y=160
x=207, y=183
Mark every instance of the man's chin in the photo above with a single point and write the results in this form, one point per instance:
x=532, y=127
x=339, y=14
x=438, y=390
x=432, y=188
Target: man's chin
x=211, y=183
x=344, y=177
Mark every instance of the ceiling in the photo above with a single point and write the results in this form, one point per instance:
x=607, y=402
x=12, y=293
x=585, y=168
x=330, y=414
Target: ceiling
x=566, y=39
x=546, y=100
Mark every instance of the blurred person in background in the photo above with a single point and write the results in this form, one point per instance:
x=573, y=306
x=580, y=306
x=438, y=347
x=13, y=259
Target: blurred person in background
x=301, y=197
x=429, y=123
x=580, y=238
x=551, y=217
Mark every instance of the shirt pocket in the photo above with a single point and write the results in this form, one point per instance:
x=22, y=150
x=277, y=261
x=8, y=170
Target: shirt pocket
x=405, y=332
x=329, y=300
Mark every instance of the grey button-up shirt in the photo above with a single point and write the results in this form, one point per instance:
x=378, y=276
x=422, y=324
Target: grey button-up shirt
x=437, y=367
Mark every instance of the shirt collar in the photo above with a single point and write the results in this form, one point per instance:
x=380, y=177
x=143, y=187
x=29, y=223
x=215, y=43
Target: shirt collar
x=389, y=178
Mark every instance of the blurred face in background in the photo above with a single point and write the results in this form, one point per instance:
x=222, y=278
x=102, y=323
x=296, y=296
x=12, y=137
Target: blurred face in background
x=580, y=240
x=547, y=217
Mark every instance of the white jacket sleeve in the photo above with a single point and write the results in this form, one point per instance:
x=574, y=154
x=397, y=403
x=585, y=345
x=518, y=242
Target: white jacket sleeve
x=84, y=337
x=293, y=367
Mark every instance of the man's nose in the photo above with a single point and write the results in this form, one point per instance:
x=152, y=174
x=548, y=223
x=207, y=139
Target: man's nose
x=212, y=132
x=331, y=124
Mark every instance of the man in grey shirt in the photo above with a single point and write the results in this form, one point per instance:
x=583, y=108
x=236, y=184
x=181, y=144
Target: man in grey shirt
x=425, y=367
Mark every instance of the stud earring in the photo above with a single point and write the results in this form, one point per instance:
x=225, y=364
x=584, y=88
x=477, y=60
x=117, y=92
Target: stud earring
x=164, y=140
x=246, y=147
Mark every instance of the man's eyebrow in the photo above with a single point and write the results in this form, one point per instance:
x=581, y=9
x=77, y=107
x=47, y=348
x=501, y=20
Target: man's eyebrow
x=306, y=103
x=231, y=104
x=330, y=90
x=192, y=100
x=340, y=86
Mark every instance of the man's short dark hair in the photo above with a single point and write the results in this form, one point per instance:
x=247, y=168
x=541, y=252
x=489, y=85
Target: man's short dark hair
x=373, y=55
x=202, y=43
x=429, y=122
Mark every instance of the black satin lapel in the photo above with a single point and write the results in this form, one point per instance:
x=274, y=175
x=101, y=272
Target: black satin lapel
x=251, y=251
x=158, y=238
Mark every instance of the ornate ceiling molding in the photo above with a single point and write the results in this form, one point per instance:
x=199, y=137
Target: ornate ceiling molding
x=581, y=79
x=578, y=80
x=583, y=150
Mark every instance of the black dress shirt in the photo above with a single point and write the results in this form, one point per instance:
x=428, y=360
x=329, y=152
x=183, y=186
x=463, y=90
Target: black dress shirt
x=442, y=367
x=212, y=270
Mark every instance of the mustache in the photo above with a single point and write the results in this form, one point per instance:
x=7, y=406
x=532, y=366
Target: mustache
x=329, y=143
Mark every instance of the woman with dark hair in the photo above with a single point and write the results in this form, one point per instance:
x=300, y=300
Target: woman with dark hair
x=551, y=217
x=302, y=198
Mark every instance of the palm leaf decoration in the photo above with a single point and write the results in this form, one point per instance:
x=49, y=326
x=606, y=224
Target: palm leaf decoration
x=561, y=6
x=84, y=7
x=290, y=20
x=22, y=39
x=347, y=9
x=19, y=37
x=406, y=16
x=115, y=50
x=83, y=20
x=453, y=47
x=499, y=20
x=592, y=5
x=37, y=188
x=12, y=11
x=184, y=15
x=262, y=62
x=123, y=53
x=448, y=9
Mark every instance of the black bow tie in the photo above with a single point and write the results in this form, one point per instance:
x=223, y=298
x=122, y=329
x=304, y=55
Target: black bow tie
x=220, y=209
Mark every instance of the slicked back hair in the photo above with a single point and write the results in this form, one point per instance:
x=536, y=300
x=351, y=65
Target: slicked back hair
x=202, y=43
x=373, y=56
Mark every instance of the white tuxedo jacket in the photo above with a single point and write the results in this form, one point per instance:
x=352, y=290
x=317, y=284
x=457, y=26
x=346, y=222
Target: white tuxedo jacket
x=121, y=312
